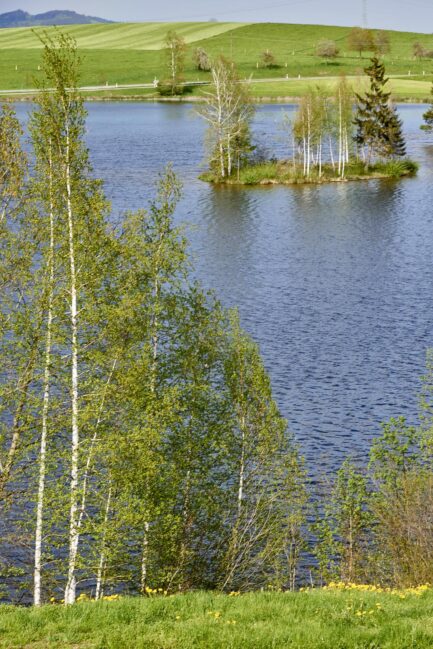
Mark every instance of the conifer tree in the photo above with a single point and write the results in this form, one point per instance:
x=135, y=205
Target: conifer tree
x=378, y=127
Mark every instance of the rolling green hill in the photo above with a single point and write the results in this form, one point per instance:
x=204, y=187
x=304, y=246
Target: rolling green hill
x=131, y=54
x=118, y=36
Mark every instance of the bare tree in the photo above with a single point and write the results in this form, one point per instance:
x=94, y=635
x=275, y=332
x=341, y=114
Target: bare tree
x=382, y=43
x=175, y=50
x=361, y=40
x=228, y=112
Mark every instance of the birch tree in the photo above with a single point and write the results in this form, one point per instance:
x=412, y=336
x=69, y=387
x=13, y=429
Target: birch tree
x=76, y=210
x=44, y=190
x=20, y=318
x=260, y=446
x=228, y=113
x=175, y=51
x=343, y=110
x=310, y=127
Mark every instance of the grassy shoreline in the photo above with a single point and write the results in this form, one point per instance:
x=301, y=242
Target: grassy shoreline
x=284, y=92
x=352, y=618
x=284, y=173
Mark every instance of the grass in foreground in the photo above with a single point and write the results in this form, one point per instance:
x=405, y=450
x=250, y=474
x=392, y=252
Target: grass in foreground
x=284, y=173
x=319, y=619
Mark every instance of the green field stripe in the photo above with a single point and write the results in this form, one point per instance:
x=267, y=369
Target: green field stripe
x=141, y=36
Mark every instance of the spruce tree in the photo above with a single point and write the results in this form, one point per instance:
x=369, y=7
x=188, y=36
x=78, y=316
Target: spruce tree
x=379, y=129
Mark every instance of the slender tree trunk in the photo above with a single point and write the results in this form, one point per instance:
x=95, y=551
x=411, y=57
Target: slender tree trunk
x=99, y=592
x=293, y=153
x=144, y=557
x=229, y=157
x=221, y=151
x=185, y=516
x=343, y=162
x=308, y=141
x=331, y=152
x=70, y=590
x=241, y=471
x=45, y=403
x=304, y=143
x=23, y=386
x=340, y=134
x=155, y=343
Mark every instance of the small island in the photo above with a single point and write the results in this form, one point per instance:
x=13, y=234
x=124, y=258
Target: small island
x=283, y=172
x=332, y=138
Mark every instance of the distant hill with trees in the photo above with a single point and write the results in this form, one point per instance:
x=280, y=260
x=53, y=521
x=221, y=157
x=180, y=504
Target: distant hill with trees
x=21, y=18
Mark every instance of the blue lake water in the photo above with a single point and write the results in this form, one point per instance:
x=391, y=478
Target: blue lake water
x=335, y=282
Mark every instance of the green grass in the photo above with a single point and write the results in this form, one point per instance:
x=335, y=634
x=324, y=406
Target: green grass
x=402, y=89
x=130, y=53
x=283, y=173
x=311, y=620
x=116, y=36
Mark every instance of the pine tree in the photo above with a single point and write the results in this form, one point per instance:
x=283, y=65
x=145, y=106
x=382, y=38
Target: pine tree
x=379, y=129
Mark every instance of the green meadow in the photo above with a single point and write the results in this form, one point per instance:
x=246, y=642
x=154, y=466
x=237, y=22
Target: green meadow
x=132, y=54
x=308, y=620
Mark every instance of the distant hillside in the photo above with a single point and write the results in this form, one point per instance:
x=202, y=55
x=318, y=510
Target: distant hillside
x=21, y=18
x=130, y=53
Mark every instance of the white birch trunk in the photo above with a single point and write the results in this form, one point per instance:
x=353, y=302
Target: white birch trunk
x=304, y=143
x=331, y=152
x=155, y=343
x=70, y=590
x=340, y=134
x=45, y=406
x=308, y=142
x=241, y=469
x=229, y=156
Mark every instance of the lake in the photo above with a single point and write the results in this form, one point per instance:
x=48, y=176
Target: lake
x=335, y=282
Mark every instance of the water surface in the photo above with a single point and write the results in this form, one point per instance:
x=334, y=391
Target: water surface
x=335, y=282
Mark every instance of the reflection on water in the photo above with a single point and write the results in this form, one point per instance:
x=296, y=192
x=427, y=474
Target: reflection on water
x=335, y=282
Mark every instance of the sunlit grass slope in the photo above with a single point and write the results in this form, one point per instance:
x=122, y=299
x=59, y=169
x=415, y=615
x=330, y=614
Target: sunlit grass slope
x=118, y=36
x=132, y=54
x=311, y=620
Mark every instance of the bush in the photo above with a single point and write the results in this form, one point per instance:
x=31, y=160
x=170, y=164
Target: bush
x=258, y=173
x=167, y=88
x=397, y=168
x=327, y=49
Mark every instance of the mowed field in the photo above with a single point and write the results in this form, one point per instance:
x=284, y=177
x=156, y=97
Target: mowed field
x=117, y=36
x=133, y=54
